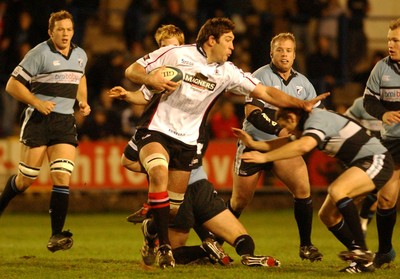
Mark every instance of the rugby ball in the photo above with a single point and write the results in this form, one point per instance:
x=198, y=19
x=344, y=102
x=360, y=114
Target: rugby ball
x=171, y=73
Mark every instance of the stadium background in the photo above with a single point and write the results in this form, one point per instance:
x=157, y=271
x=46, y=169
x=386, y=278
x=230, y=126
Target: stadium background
x=99, y=183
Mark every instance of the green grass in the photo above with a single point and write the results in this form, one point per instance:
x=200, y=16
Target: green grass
x=106, y=246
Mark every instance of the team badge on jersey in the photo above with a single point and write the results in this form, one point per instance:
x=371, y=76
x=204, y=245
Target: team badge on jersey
x=298, y=90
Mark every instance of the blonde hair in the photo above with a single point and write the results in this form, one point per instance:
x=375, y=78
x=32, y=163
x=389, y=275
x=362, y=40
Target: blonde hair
x=167, y=32
x=283, y=37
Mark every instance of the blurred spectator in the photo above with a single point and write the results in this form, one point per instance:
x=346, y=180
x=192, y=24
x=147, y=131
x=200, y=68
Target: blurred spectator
x=362, y=75
x=210, y=8
x=223, y=119
x=301, y=16
x=174, y=14
x=106, y=70
x=138, y=24
x=82, y=11
x=323, y=69
x=357, y=40
x=328, y=27
x=104, y=123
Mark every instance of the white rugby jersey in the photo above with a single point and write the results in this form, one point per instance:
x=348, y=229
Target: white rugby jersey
x=382, y=94
x=181, y=114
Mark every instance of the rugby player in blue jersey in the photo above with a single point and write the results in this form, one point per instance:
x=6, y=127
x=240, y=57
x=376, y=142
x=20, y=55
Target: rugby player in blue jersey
x=382, y=101
x=50, y=79
x=369, y=168
x=260, y=124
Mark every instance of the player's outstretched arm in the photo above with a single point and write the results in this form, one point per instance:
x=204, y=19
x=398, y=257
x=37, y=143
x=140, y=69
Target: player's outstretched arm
x=132, y=97
x=278, y=98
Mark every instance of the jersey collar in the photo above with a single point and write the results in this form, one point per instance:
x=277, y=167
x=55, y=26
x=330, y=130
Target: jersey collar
x=53, y=48
x=293, y=73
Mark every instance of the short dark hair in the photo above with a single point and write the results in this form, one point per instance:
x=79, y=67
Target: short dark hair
x=57, y=16
x=216, y=27
x=394, y=24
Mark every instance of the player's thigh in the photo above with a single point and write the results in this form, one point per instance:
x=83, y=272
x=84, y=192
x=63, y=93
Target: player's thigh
x=351, y=183
x=226, y=226
x=387, y=196
x=177, y=238
x=32, y=156
x=294, y=174
x=178, y=180
x=244, y=186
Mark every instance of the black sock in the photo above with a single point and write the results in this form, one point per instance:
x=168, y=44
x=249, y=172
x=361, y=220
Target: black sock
x=303, y=213
x=342, y=232
x=366, y=211
x=58, y=207
x=202, y=232
x=244, y=245
x=9, y=192
x=385, y=221
x=236, y=213
x=350, y=215
x=187, y=254
x=161, y=220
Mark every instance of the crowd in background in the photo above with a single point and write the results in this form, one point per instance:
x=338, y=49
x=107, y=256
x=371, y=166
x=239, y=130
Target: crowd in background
x=331, y=50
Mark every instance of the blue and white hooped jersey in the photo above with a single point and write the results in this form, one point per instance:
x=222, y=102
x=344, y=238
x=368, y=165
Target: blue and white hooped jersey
x=297, y=86
x=340, y=136
x=181, y=114
x=383, y=93
x=52, y=76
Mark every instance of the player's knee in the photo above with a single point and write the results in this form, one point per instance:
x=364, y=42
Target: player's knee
x=28, y=175
x=62, y=166
x=156, y=160
x=61, y=170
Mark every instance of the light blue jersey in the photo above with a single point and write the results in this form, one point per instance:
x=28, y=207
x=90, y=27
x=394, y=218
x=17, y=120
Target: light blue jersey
x=52, y=76
x=382, y=94
x=297, y=86
x=341, y=137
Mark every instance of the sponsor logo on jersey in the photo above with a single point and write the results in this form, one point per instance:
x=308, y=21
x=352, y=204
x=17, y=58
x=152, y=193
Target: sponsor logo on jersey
x=199, y=81
x=185, y=62
x=385, y=78
x=80, y=62
x=68, y=77
x=391, y=95
x=56, y=63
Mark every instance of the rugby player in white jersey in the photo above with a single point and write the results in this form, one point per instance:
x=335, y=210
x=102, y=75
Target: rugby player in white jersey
x=167, y=137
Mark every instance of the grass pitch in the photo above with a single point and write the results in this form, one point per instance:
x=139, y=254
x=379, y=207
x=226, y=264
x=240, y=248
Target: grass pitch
x=106, y=246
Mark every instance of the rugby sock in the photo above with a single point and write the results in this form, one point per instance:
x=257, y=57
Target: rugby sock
x=236, y=213
x=203, y=233
x=303, y=213
x=159, y=203
x=187, y=254
x=365, y=211
x=58, y=207
x=350, y=215
x=342, y=232
x=244, y=245
x=385, y=221
x=9, y=192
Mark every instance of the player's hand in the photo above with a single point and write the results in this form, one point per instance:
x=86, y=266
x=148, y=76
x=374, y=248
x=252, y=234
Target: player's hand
x=156, y=81
x=243, y=136
x=117, y=92
x=391, y=117
x=84, y=108
x=254, y=157
x=44, y=107
x=309, y=104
